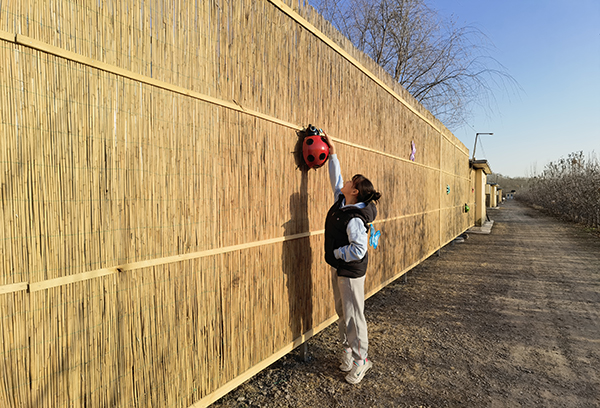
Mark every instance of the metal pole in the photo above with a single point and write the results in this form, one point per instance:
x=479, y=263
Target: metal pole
x=475, y=147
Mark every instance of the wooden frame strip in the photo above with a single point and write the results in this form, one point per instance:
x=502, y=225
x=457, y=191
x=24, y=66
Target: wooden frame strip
x=71, y=56
x=80, y=277
x=112, y=69
x=6, y=36
x=65, y=280
x=13, y=287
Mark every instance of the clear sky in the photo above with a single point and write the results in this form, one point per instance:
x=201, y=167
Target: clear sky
x=552, y=49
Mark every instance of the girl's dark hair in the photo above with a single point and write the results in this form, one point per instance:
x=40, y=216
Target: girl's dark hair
x=366, y=191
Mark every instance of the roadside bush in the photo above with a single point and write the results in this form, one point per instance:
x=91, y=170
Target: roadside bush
x=568, y=187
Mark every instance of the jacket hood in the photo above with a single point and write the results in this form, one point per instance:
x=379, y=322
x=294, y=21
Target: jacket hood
x=370, y=212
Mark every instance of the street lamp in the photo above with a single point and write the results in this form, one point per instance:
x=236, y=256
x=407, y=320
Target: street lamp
x=476, y=136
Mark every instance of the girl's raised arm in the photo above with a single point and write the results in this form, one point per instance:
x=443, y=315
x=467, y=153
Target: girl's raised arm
x=330, y=143
x=335, y=173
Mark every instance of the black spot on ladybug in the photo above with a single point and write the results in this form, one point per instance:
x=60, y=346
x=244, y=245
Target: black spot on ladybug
x=309, y=142
x=322, y=156
x=311, y=158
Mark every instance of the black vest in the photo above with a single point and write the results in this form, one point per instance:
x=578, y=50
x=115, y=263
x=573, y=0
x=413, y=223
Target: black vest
x=336, y=236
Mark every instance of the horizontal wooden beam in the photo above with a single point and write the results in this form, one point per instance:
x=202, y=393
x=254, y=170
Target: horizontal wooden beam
x=80, y=277
x=112, y=69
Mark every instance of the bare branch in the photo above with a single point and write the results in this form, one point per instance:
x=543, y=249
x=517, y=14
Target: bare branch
x=446, y=68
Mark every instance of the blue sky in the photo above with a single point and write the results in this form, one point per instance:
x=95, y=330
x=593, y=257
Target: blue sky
x=552, y=49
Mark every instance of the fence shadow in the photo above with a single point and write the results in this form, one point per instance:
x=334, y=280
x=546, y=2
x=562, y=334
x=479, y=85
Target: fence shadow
x=296, y=260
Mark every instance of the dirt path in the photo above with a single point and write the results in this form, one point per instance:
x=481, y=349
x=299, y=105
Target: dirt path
x=502, y=320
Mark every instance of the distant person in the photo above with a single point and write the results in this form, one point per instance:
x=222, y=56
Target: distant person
x=346, y=244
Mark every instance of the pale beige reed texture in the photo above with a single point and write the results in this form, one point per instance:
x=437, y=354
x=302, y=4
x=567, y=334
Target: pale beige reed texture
x=158, y=244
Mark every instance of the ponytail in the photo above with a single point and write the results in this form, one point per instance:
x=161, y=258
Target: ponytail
x=366, y=191
x=375, y=196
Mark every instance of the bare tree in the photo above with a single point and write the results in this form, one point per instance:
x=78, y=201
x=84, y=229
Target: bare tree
x=445, y=67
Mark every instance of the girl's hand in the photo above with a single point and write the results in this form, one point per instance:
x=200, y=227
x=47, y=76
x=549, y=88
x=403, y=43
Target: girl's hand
x=329, y=142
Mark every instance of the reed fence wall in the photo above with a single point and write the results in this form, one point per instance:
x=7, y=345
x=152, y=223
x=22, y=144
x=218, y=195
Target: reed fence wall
x=158, y=245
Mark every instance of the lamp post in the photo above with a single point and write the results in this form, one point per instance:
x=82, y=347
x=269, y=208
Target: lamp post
x=476, y=136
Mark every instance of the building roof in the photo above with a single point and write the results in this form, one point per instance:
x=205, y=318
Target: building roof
x=481, y=165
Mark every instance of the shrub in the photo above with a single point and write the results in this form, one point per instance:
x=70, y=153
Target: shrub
x=569, y=187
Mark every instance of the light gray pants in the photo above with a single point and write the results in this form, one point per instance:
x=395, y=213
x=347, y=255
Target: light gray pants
x=349, y=294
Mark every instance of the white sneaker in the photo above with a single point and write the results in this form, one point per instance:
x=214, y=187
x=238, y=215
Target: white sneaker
x=347, y=361
x=358, y=371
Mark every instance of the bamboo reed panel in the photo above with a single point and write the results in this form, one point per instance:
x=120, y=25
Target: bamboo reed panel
x=158, y=245
x=19, y=39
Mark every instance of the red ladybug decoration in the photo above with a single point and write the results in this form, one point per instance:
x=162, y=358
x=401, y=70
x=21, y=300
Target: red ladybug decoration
x=315, y=151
